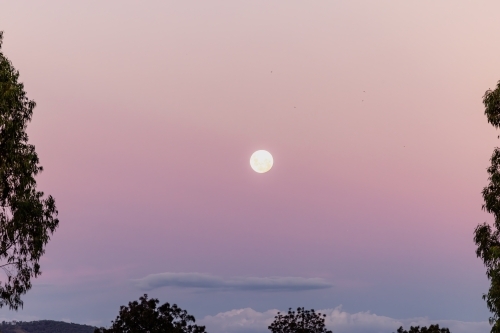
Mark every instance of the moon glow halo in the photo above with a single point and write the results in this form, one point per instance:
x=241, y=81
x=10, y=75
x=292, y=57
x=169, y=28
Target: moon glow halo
x=261, y=161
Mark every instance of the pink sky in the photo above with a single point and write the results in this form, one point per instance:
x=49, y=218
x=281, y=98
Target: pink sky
x=148, y=113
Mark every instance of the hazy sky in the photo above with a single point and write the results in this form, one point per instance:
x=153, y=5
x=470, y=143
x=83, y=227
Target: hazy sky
x=148, y=112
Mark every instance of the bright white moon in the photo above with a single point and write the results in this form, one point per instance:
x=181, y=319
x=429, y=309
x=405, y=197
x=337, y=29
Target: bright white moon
x=261, y=161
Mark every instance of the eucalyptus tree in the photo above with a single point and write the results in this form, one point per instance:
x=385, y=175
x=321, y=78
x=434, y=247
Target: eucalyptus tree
x=424, y=329
x=486, y=236
x=146, y=316
x=302, y=321
x=27, y=218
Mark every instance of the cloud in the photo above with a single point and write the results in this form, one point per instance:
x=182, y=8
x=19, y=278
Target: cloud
x=239, y=321
x=251, y=321
x=206, y=281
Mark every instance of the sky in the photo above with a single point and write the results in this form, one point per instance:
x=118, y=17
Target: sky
x=147, y=114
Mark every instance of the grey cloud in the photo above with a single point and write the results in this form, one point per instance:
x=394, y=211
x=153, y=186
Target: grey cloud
x=206, y=281
x=251, y=321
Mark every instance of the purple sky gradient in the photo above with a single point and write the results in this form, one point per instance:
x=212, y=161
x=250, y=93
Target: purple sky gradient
x=148, y=113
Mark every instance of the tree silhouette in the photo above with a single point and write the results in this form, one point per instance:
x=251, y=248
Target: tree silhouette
x=302, y=321
x=145, y=316
x=418, y=329
x=26, y=219
x=486, y=236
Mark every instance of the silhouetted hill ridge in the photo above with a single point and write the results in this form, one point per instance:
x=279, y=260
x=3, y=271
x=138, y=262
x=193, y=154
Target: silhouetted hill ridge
x=44, y=326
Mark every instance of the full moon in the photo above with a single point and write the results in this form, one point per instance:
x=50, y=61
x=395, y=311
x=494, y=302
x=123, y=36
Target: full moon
x=261, y=161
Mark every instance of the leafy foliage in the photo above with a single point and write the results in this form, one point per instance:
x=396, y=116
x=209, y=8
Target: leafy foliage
x=424, y=329
x=145, y=316
x=44, y=326
x=487, y=237
x=491, y=101
x=26, y=218
x=302, y=321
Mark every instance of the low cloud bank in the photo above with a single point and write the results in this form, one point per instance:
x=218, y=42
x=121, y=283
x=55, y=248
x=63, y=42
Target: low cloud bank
x=251, y=321
x=206, y=281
